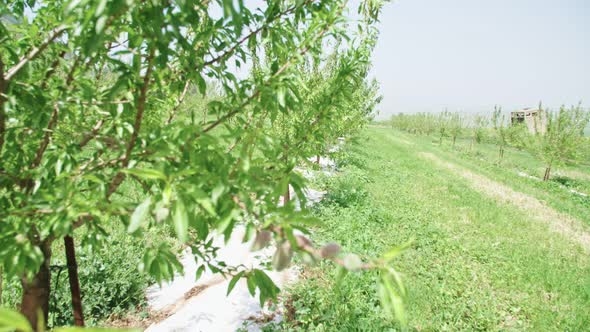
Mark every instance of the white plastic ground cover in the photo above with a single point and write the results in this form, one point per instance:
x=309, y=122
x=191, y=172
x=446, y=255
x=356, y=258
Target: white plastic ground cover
x=573, y=191
x=210, y=309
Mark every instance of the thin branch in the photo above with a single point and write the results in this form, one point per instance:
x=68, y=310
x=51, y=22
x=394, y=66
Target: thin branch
x=246, y=126
x=34, y=53
x=143, y=184
x=116, y=182
x=253, y=33
x=46, y=137
x=52, y=120
x=178, y=102
x=257, y=92
x=52, y=69
x=92, y=134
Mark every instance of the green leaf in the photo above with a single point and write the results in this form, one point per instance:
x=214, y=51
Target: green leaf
x=234, y=281
x=281, y=97
x=139, y=215
x=217, y=192
x=268, y=289
x=226, y=220
x=100, y=7
x=394, y=301
x=394, y=252
x=148, y=174
x=340, y=274
x=180, y=219
x=251, y=282
x=14, y=320
x=202, y=85
x=199, y=272
x=100, y=23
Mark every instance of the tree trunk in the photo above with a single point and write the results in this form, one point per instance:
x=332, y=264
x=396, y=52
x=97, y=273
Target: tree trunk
x=500, y=155
x=547, y=173
x=317, y=159
x=440, y=141
x=36, y=291
x=454, y=140
x=74, y=283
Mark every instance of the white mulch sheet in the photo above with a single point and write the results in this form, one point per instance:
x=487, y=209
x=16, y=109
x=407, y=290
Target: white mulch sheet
x=209, y=309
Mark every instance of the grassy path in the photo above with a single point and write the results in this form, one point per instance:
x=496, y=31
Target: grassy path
x=569, y=227
x=478, y=263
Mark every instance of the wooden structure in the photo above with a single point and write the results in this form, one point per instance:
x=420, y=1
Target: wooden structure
x=534, y=119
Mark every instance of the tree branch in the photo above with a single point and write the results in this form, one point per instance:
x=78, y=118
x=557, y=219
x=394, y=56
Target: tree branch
x=52, y=69
x=53, y=120
x=34, y=53
x=46, y=137
x=178, y=102
x=284, y=67
x=253, y=33
x=116, y=182
x=88, y=137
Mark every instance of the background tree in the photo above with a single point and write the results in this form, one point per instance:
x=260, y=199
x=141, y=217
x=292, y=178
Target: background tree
x=501, y=130
x=443, y=125
x=479, y=123
x=455, y=121
x=559, y=136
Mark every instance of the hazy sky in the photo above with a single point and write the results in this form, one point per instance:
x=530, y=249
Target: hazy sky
x=472, y=54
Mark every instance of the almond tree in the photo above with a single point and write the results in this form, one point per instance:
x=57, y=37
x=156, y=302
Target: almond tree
x=501, y=130
x=478, y=124
x=443, y=125
x=91, y=109
x=455, y=126
x=559, y=136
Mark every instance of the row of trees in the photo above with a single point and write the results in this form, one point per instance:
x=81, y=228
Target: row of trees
x=445, y=125
x=555, y=137
x=94, y=129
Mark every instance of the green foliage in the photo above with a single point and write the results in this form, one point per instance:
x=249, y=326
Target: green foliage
x=455, y=126
x=559, y=136
x=107, y=118
x=477, y=264
x=109, y=279
x=347, y=192
x=419, y=123
x=478, y=125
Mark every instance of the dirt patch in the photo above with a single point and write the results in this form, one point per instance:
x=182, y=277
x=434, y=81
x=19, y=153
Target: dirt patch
x=128, y=321
x=557, y=222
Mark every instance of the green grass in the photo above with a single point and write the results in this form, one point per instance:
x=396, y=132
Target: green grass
x=110, y=282
x=475, y=264
x=483, y=158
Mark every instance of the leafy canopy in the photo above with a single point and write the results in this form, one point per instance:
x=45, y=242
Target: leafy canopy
x=95, y=129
